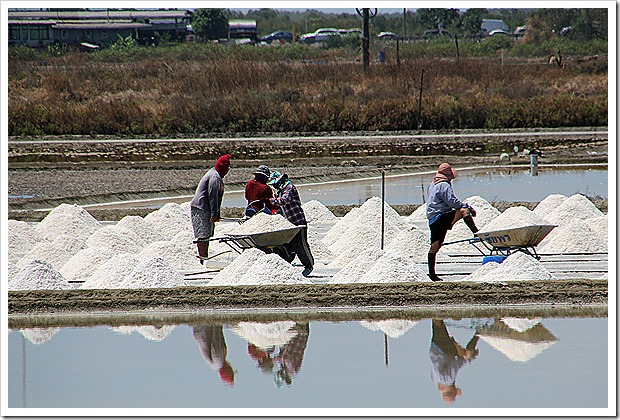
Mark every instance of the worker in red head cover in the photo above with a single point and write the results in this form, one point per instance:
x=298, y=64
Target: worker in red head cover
x=206, y=204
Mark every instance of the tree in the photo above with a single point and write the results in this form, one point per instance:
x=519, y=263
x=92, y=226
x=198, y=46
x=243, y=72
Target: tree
x=471, y=21
x=210, y=23
x=438, y=18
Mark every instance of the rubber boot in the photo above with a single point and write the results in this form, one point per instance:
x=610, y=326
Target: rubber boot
x=431, y=267
x=469, y=221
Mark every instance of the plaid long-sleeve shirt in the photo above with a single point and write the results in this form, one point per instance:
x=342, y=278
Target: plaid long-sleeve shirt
x=290, y=204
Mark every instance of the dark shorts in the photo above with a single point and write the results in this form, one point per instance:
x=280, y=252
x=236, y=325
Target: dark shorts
x=440, y=228
x=203, y=228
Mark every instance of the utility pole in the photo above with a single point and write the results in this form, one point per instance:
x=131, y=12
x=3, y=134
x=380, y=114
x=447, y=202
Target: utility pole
x=366, y=14
x=404, y=22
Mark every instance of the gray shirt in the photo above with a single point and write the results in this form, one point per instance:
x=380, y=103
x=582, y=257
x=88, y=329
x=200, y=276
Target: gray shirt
x=441, y=199
x=209, y=193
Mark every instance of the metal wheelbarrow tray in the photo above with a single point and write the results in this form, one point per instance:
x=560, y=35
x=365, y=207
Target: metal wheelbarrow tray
x=273, y=241
x=507, y=241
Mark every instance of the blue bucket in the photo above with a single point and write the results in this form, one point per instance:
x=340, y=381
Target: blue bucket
x=496, y=258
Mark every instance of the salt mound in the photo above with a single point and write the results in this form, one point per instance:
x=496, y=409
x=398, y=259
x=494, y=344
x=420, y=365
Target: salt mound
x=357, y=267
x=482, y=271
x=520, y=324
x=272, y=269
x=599, y=225
x=141, y=227
x=110, y=274
x=517, y=266
x=38, y=275
x=85, y=262
x=265, y=335
x=317, y=212
x=57, y=252
x=341, y=226
x=485, y=213
x=170, y=220
x=68, y=219
x=117, y=238
x=153, y=273
x=39, y=335
x=419, y=214
x=22, y=236
x=237, y=268
x=575, y=236
x=12, y=268
x=320, y=251
x=412, y=242
x=394, y=267
x=155, y=333
x=262, y=222
x=549, y=204
x=514, y=217
x=574, y=207
x=393, y=328
x=179, y=257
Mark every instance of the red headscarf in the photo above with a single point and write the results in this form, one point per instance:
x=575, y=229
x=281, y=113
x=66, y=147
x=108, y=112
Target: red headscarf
x=445, y=173
x=222, y=165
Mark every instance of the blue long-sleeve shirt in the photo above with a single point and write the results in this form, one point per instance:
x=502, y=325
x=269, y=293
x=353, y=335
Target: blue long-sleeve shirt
x=440, y=199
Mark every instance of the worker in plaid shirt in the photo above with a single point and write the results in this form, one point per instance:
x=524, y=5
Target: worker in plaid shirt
x=289, y=203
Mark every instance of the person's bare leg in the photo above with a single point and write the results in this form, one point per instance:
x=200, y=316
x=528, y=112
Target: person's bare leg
x=203, y=249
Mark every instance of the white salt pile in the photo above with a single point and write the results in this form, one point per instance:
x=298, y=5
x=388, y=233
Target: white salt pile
x=514, y=217
x=520, y=324
x=153, y=273
x=517, y=266
x=317, y=212
x=394, y=267
x=56, y=252
x=574, y=207
x=320, y=251
x=574, y=236
x=485, y=213
x=517, y=350
x=85, y=262
x=171, y=219
x=341, y=226
x=110, y=275
x=68, y=219
x=599, y=225
x=482, y=271
x=262, y=222
x=12, y=269
x=272, y=269
x=178, y=256
x=393, y=328
x=141, y=227
x=419, y=214
x=39, y=335
x=414, y=243
x=550, y=203
x=38, y=275
x=265, y=335
x=155, y=333
x=22, y=237
x=237, y=268
x=117, y=238
x=357, y=267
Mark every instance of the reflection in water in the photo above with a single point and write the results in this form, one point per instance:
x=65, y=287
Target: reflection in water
x=282, y=361
x=39, y=335
x=212, y=345
x=447, y=358
x=520, y=340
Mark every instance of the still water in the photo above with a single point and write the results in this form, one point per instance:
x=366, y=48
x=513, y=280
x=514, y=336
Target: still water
x=516, y=184
x=491, y=363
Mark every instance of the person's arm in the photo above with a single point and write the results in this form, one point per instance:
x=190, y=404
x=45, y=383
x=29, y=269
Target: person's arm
x=285, y=198
x=447, y=195
x=213, y=192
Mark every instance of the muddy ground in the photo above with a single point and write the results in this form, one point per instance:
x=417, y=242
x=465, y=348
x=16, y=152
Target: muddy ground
x=48, y=174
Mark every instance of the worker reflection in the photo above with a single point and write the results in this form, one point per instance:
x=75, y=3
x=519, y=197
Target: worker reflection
x=447, y=358
x=284, y=362
x=212, y=345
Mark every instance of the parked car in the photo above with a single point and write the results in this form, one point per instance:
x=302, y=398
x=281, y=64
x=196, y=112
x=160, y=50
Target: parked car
x=520, y=31
x=498, y=32
x=320, y=35
x=355, y=31
x=387, y=35
x=281, y=36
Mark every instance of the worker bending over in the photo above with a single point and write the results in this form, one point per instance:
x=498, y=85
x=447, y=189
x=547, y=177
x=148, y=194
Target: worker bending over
x=289, y=203
x=443, y=210
x=258, y=193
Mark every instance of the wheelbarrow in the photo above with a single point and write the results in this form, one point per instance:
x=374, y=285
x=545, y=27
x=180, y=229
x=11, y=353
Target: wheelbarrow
x=507, y=241
x=276, y=241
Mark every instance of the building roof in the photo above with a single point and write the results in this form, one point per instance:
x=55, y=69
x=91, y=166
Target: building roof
x=17, y=14
x=101, y=25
